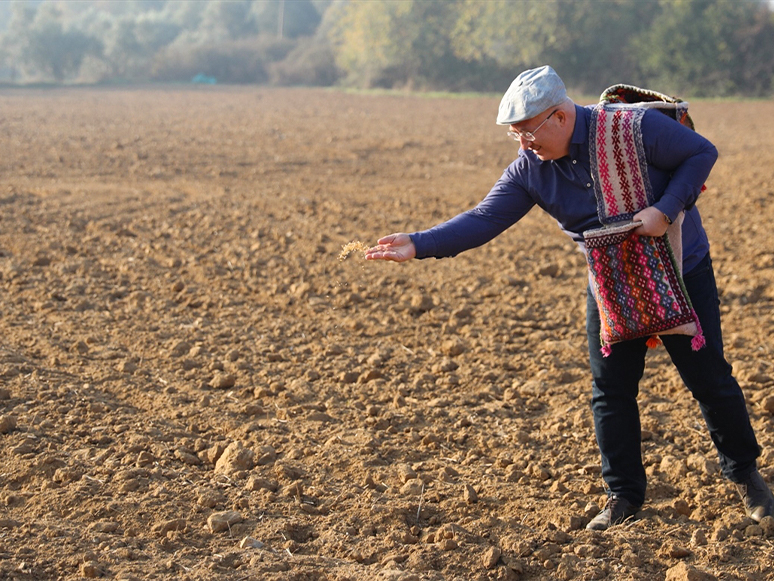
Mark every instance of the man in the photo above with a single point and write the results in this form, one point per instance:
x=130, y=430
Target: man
x=553, y=171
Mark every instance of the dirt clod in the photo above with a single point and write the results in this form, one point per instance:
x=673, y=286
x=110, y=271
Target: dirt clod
x=185, y=363
x=222, y=521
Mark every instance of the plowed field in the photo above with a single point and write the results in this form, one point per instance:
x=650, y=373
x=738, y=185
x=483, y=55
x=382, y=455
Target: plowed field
x=193, y=385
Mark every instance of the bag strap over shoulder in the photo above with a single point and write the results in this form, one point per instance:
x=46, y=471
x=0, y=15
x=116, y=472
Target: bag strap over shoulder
x=674, y=107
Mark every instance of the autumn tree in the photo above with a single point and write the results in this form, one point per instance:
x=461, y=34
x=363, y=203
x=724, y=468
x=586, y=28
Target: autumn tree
x=409, y=43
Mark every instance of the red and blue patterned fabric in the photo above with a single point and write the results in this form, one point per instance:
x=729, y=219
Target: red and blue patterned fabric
x=637, y=285
x=636, y=280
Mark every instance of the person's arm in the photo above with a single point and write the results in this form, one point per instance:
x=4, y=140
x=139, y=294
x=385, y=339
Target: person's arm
x=689, y=157
x=506, y=203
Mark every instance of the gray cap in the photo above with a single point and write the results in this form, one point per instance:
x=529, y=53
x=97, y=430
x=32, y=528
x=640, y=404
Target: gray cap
x=530, y=93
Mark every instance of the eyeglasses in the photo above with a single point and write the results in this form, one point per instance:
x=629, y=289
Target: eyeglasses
x=530, y=135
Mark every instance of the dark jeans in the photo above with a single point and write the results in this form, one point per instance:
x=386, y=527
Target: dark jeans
x=706, y=374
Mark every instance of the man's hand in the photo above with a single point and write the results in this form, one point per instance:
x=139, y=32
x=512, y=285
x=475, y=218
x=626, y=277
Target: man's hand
x=654, y=222
x=395, y=247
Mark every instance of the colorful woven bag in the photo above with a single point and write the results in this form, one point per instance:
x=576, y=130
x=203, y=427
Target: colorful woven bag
x=636, y=280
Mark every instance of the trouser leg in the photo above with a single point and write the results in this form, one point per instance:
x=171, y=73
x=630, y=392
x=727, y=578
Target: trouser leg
x=616, y=414
x=709, y=377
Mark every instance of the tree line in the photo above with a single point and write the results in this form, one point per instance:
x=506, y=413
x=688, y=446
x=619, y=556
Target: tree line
x=685, y=47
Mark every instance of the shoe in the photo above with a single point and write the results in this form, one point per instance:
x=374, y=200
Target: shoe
x=616, y=511
x=757, y=498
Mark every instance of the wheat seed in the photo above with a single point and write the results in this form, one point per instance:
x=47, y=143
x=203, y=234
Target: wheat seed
x=350, y=247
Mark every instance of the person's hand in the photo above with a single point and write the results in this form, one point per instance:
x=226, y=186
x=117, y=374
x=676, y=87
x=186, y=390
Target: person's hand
x=654, y=222
x=395, y=247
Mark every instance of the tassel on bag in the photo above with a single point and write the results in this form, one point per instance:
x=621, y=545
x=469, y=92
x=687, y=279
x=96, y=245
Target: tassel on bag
x=653, y=341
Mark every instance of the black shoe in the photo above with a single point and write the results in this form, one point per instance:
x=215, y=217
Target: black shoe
x=758, y=500
x=616, y=511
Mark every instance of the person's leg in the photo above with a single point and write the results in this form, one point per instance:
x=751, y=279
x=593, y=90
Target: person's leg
x=709, y=377
x=616, y=414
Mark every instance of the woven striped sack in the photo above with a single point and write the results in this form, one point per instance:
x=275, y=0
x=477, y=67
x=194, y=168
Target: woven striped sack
x=636, y=280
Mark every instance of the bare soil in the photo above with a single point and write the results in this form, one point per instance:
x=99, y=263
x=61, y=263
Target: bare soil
x=194, y=386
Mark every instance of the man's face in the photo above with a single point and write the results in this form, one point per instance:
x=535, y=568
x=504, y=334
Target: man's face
x=543, y=134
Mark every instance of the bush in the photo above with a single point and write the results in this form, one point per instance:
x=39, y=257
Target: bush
x=241, y=61
x=311, y=63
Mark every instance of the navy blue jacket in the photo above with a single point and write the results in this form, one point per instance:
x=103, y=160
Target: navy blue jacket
x=679, y=161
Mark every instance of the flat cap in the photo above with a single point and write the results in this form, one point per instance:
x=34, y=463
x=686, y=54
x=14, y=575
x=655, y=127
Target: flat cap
x=530, y=93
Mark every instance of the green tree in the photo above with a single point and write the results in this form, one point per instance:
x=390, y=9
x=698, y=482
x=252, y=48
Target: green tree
x=586, y=41
x=709, y=47
x=44, y=46
x=185, y=13
x=592, y=42
x=228, y=20
x=131, y=41
x=513, y=33
x=299, y=17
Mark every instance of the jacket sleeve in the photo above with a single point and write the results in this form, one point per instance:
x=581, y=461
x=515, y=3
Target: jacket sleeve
x=505, y=204
x=686, y=155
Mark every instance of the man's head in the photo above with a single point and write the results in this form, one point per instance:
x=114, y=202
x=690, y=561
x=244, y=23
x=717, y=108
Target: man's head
x=531, y=93
x=537, y=100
